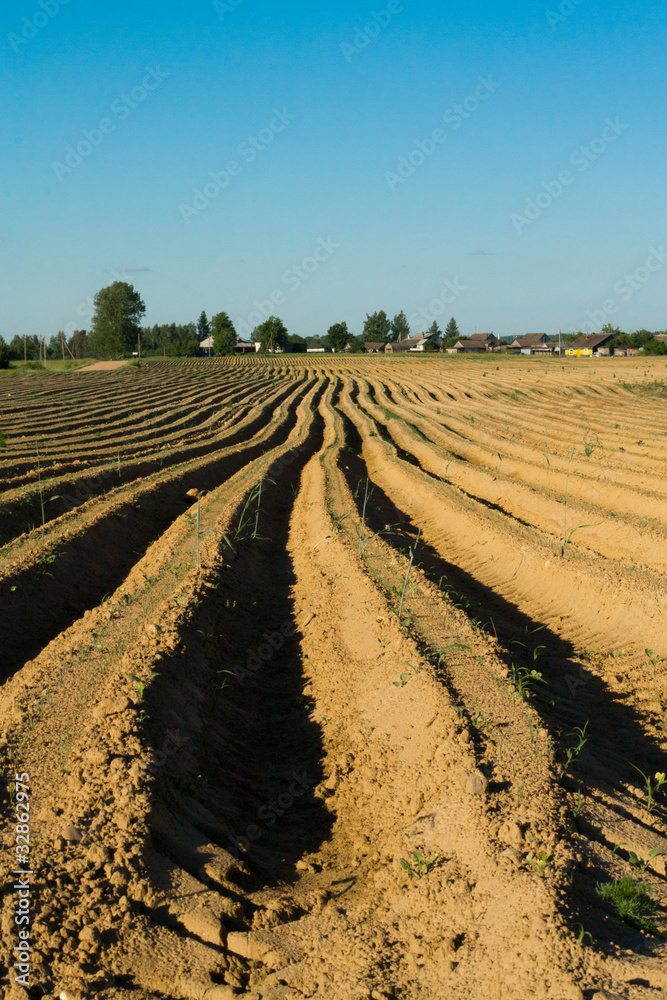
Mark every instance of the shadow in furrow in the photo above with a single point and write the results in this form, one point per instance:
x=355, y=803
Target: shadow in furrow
x=237, y=807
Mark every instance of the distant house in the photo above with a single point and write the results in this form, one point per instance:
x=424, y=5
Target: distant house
x=416, y=343
x=533, y=343
x=242, y=347
x=661, y=338
x=371, y=348
x=476, y=343
x=588, y=344
x=419, y=343
x=287, y=349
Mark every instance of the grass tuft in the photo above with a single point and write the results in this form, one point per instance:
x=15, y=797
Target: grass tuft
x=631, y=901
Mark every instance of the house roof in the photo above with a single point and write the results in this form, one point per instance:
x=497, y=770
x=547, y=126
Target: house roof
x=661, y=337
x=534, y=339
x=591, y=341
x=481, y=338
x=374, y=347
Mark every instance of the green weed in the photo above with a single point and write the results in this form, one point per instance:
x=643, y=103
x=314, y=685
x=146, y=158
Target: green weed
x=631, y=902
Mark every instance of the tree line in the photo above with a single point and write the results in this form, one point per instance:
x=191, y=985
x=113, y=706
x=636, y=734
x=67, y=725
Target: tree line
x=116, y=332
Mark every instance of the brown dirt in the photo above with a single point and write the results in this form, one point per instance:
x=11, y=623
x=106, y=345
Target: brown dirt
x=103, y=366
x=234, y=773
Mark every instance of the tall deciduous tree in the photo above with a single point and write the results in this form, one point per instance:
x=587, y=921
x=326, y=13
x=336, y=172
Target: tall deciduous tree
x=115, y=324
x=271, y=334
x=4, y=354
x=223, y=333
x=377, y=327
x=78, y=343
x=400, y=328
x=225, y=341
x=338, y=336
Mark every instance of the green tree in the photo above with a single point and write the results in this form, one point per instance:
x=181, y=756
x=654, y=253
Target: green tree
x=435, y=331
x=356, y=345
x=452, y=330
x=338, y=336
x=185, y=349
x=78, y=343
x=616, y=330
x=115, y=324
x=4, y=354
x=203, y=327
x=376, y=328
x=400, y=328
x=224, y=334
x=432, y=346
x=20, y=347
x=271, y=334
x=225, y=342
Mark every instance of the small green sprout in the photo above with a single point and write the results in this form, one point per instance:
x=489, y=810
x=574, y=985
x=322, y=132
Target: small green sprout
x=640, y=863
x=420, y=864
x=653, y=785
x=140, y=686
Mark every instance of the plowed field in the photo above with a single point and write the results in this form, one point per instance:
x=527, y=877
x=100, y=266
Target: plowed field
x=338, y=677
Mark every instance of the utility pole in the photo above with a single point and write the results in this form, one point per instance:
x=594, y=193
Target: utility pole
x=560, y=349
x=24, y=350
x=139, y=345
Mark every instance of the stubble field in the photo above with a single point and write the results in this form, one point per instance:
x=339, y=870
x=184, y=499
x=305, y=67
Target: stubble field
x=330, y=677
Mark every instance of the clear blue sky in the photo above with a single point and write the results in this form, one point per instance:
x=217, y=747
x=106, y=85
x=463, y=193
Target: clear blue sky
x=352, y=108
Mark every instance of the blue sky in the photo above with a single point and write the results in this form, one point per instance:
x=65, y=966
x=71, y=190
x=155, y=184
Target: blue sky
x=347, y=178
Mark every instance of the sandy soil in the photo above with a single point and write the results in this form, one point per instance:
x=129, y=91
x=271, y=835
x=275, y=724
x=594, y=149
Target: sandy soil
x=103, y=366
x=316, y=692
